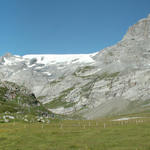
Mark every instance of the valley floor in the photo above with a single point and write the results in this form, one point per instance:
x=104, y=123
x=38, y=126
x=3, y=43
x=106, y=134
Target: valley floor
x=103, y=134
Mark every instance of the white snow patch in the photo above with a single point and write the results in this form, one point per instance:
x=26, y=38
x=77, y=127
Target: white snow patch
x=93, y=54
x=65, y=58
x=39, y=67
x=47, y=73
x=61, y=67
x=30, y=66
x=12, y=61
x=127, y=118
x=7, y=62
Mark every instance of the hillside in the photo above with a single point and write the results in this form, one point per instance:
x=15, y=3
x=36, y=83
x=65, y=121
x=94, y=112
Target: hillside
x=18, y=103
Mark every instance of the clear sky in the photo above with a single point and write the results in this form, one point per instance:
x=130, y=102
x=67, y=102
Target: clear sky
x=66, y=26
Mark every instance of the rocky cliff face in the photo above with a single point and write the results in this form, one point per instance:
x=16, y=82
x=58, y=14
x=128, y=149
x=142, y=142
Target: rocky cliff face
x=115, y=80
x=17, y=102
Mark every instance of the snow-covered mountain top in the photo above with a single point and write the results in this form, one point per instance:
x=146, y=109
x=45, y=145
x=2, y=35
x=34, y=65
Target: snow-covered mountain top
x=57, y=58
x=47, y=59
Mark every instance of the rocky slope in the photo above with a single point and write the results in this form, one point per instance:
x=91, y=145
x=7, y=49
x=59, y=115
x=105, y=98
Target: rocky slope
x=115, y=80
x=17, y=102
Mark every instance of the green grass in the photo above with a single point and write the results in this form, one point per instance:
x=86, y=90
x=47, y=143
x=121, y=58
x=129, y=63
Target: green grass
x=54, y=82
x=57, y=81
x=60, y=100
x=107, y=76
x=3, y=91
x=77, y=135
x=9, y=106
x=110, y=53
x=85, y=69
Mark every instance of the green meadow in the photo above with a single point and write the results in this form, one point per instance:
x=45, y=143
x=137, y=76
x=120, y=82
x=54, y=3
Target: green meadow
x=102, y=134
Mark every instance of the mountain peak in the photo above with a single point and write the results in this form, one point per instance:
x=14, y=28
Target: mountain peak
x=139, y=31
x=8, y=55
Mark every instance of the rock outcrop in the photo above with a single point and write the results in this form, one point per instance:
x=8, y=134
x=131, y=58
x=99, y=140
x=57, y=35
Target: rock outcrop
x=16, y=99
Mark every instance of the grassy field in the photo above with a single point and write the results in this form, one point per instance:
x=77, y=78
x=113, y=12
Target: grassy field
x=103, y=134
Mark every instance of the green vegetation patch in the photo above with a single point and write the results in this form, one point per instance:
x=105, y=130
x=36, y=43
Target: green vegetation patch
x=86, y=89
x=60, y=101
x=57, y=81
x=54, y=82
x=3, y=91
x=106, y=76
x=83, y=70
x=9, y=106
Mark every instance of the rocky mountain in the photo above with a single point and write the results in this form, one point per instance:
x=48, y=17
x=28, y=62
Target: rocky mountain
x=115, y=80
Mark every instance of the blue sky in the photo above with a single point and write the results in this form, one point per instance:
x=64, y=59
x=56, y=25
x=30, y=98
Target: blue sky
x=66, y=26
